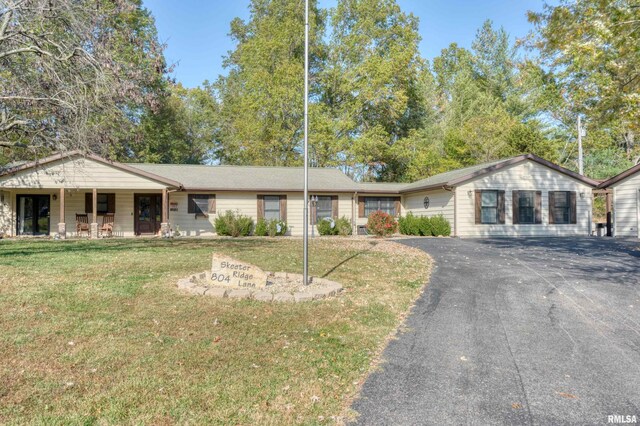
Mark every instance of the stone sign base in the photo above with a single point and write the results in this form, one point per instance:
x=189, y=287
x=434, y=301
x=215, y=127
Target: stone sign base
x=280, y=287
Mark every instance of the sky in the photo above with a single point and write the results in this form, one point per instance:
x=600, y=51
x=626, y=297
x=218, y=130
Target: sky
x=196, y=31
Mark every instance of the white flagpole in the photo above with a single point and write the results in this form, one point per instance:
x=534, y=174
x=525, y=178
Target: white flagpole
x=306, y=143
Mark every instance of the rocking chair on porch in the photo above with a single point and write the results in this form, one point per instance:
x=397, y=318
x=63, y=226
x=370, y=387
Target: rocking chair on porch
x=107, y=225
x=82, y=224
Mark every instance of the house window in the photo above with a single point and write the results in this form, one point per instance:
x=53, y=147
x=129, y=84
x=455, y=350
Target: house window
x=106, y=203
x=384, y=204
x=562, y=207
x=201, y=204
x=526, y=207
x=272, y=207
x=324, y=207
x=489, y=207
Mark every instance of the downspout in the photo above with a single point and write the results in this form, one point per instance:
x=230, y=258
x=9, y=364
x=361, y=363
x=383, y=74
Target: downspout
x=455, y=208
x=354, y=225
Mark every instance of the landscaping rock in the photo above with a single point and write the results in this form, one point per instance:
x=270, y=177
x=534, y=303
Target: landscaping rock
x=200, y=290
x=217, y=292
x=185, y=284
x=303, y=296
x=263, y=296
x=202, y=276
x=239, y=294
x=283, y=297
x=321, y=293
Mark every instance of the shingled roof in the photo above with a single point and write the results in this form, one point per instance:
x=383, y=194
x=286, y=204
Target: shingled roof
x=251, y=178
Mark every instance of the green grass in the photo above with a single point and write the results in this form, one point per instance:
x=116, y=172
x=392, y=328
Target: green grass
x=96, y=332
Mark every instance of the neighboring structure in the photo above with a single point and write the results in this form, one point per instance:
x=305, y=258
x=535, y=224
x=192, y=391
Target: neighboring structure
x=520, y=196
x=626, y=202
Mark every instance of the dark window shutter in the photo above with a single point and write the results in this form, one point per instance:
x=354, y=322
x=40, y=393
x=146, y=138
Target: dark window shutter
x=501, y=207
x=361, y=207
x=191, y=204
x=260, y=206
x=212, y=203
x=334, y=206
x=111, y=203
x=552, y=216
x=572, y=202
x=538, y=207
x=396, y=205
x=88, y=202
x=283, y=208
x=516, y=207
x=478, y=202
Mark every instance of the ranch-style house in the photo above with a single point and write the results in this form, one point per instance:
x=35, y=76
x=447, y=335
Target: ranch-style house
x=72, y=193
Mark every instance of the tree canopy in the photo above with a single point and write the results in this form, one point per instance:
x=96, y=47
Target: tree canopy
x=91, y=73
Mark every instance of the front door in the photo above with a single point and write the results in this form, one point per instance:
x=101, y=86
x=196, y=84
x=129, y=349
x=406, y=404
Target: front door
x=33, y=215
x=148, y=213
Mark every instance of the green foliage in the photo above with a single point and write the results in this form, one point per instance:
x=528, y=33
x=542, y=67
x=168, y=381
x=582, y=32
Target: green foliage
x=381, y=224
x=330, y=226
x=271, y=228
x=234, y=225
x=261, y=228
x=343, y=225
x=424, y=225
x=440, y=226
x=327, y=226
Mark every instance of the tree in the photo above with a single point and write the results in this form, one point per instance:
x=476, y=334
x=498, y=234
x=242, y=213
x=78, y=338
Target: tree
x=370, y=84
x=181, y=131
x=591, y=46
x=75, y=73
x=262, y=96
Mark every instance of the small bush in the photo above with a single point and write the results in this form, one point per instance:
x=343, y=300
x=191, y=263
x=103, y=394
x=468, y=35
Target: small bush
x=261, y=228
x=343, y=225
x=330, y=226
x=440, y=226
x=234, y=225
x=276, y=227
x=409, y=225
x=327, y=226
x=424, y=226
x=381, y=224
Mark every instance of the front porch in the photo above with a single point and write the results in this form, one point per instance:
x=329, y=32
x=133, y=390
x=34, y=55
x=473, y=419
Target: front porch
x=58, y=211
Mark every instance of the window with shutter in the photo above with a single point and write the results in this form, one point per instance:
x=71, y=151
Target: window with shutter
x=562, y=207
x=272, y=207
x=385, y=204
x=106, y=203
x=201, y=204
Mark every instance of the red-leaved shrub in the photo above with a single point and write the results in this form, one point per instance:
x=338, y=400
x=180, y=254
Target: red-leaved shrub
x=381, y=224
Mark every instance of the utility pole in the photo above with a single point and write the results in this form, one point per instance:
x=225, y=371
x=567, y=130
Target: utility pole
x=580, y=160
x=305, y=260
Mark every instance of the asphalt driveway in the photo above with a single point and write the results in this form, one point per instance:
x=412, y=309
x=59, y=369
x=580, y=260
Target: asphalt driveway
x=516, y=331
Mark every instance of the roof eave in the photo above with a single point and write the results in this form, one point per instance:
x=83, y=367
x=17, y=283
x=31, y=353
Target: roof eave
x=620, y=177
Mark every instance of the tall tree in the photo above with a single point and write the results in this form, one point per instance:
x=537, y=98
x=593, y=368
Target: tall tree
x=71, y=71
x=262, y=96
x=371, y=83
x=592, y=48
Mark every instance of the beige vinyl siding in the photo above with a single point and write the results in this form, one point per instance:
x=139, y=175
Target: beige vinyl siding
x=440, y=202
x=77, y=173
x=524, y=176
x=626, y=202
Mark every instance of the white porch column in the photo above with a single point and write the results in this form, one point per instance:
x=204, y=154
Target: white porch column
x=164, y=225
x=62, y=226
x=94, y=219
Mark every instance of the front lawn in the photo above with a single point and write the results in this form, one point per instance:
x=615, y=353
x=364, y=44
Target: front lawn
x=96, y=332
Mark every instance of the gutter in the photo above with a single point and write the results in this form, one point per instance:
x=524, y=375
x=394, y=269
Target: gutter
x=452, y=189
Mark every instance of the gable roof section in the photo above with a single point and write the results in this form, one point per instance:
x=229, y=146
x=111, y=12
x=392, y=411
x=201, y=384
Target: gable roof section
x=460, y=176
x=622, y=176
x=19, y=167
x=251, y=178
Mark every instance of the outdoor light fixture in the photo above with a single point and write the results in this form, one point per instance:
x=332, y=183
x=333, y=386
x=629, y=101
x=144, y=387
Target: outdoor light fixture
x=582, y=195
x=55, y=197
x=469, y=193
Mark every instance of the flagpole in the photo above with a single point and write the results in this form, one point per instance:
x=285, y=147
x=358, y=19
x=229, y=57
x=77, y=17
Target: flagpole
x=305, y=272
